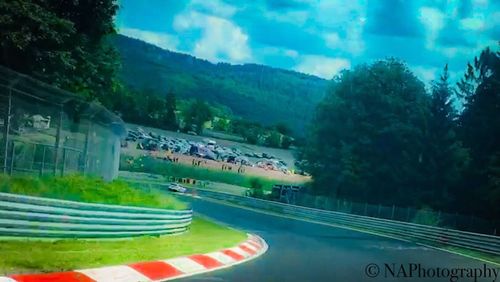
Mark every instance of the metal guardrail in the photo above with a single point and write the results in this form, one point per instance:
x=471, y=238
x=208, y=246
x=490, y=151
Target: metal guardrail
x=404, y=230
x=27, y=216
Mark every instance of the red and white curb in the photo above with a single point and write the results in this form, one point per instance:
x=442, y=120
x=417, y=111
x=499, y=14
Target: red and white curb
x=153, y=271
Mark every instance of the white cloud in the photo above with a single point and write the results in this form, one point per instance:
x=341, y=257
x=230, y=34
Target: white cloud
x=433, y=21
x=480, y=2
x=221, y=39
x=332, y=39
x=322, y=66
x=264, y=52
x=214, y=7
x=426, y=74
x=474, y=29
x=293, y=17
x=162, y=40
x=348, y=16
x=291, y=53
x=352, y=43
x=475, y=24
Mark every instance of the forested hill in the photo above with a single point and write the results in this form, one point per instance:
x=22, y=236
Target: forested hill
x=254, y=92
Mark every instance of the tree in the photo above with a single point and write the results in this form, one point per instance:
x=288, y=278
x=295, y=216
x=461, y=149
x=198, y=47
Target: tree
x=479, y=128
x=197, y=113
x=221, y=124
x=62, y=43
x=286, y=142
x=283, y=128
x=170, y=120
x=274, y=139
x=447, y=159
x=367, y=138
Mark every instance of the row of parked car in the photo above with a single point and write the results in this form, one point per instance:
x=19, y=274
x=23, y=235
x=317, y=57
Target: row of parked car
x=208, y=149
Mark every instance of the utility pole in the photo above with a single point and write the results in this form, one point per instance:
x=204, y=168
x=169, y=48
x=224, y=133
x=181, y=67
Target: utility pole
x=58, y=140
x=6, y=127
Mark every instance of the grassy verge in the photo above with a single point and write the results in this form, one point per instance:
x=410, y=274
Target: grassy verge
x=154, y=166
x=91, y=190
x=47, y=256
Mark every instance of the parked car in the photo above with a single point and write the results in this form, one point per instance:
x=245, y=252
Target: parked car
x=176, y=187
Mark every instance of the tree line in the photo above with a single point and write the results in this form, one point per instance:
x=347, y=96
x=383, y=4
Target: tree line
x=380, y=137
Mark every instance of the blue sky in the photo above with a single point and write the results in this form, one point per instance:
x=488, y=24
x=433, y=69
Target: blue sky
x=319, y=37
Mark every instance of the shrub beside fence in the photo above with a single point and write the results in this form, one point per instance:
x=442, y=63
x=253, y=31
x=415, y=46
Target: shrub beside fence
x=27, y=216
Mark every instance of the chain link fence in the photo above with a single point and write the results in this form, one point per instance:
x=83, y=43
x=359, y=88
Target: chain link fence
x=48, y=131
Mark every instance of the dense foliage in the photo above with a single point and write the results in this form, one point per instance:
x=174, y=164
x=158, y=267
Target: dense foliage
x=253, y=92
x=369, y=135
x=170, y=119
x=146, y=107
x=277, y=136
x=479, y=128
x=61, y=42
x=379, y=137
x=196, y=115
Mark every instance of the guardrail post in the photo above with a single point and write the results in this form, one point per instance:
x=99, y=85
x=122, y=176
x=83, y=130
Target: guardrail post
x=408, y=215
x=366, y=209
x=379, y=208
x=392, y=214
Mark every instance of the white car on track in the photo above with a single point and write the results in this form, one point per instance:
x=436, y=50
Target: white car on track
x=176, y=187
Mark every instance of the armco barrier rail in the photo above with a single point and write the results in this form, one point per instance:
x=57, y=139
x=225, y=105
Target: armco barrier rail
x=27, y=216
x=404, y=230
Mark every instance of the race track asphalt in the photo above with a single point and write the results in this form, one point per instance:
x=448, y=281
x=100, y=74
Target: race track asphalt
x=304, y=251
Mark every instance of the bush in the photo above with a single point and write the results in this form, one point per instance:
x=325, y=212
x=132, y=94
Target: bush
x=427, y=216
x=256, y=183
x=256, y=190
x=286, y=142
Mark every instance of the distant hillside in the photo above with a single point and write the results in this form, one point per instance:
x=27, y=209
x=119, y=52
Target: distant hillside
x=254, y=92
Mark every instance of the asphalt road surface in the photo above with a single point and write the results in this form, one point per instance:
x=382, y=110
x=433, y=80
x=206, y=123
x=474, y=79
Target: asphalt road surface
x=304, y=251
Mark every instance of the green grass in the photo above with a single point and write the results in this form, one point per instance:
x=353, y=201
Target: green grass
x=154, y=166
x=88, y=189
x=47, y=256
